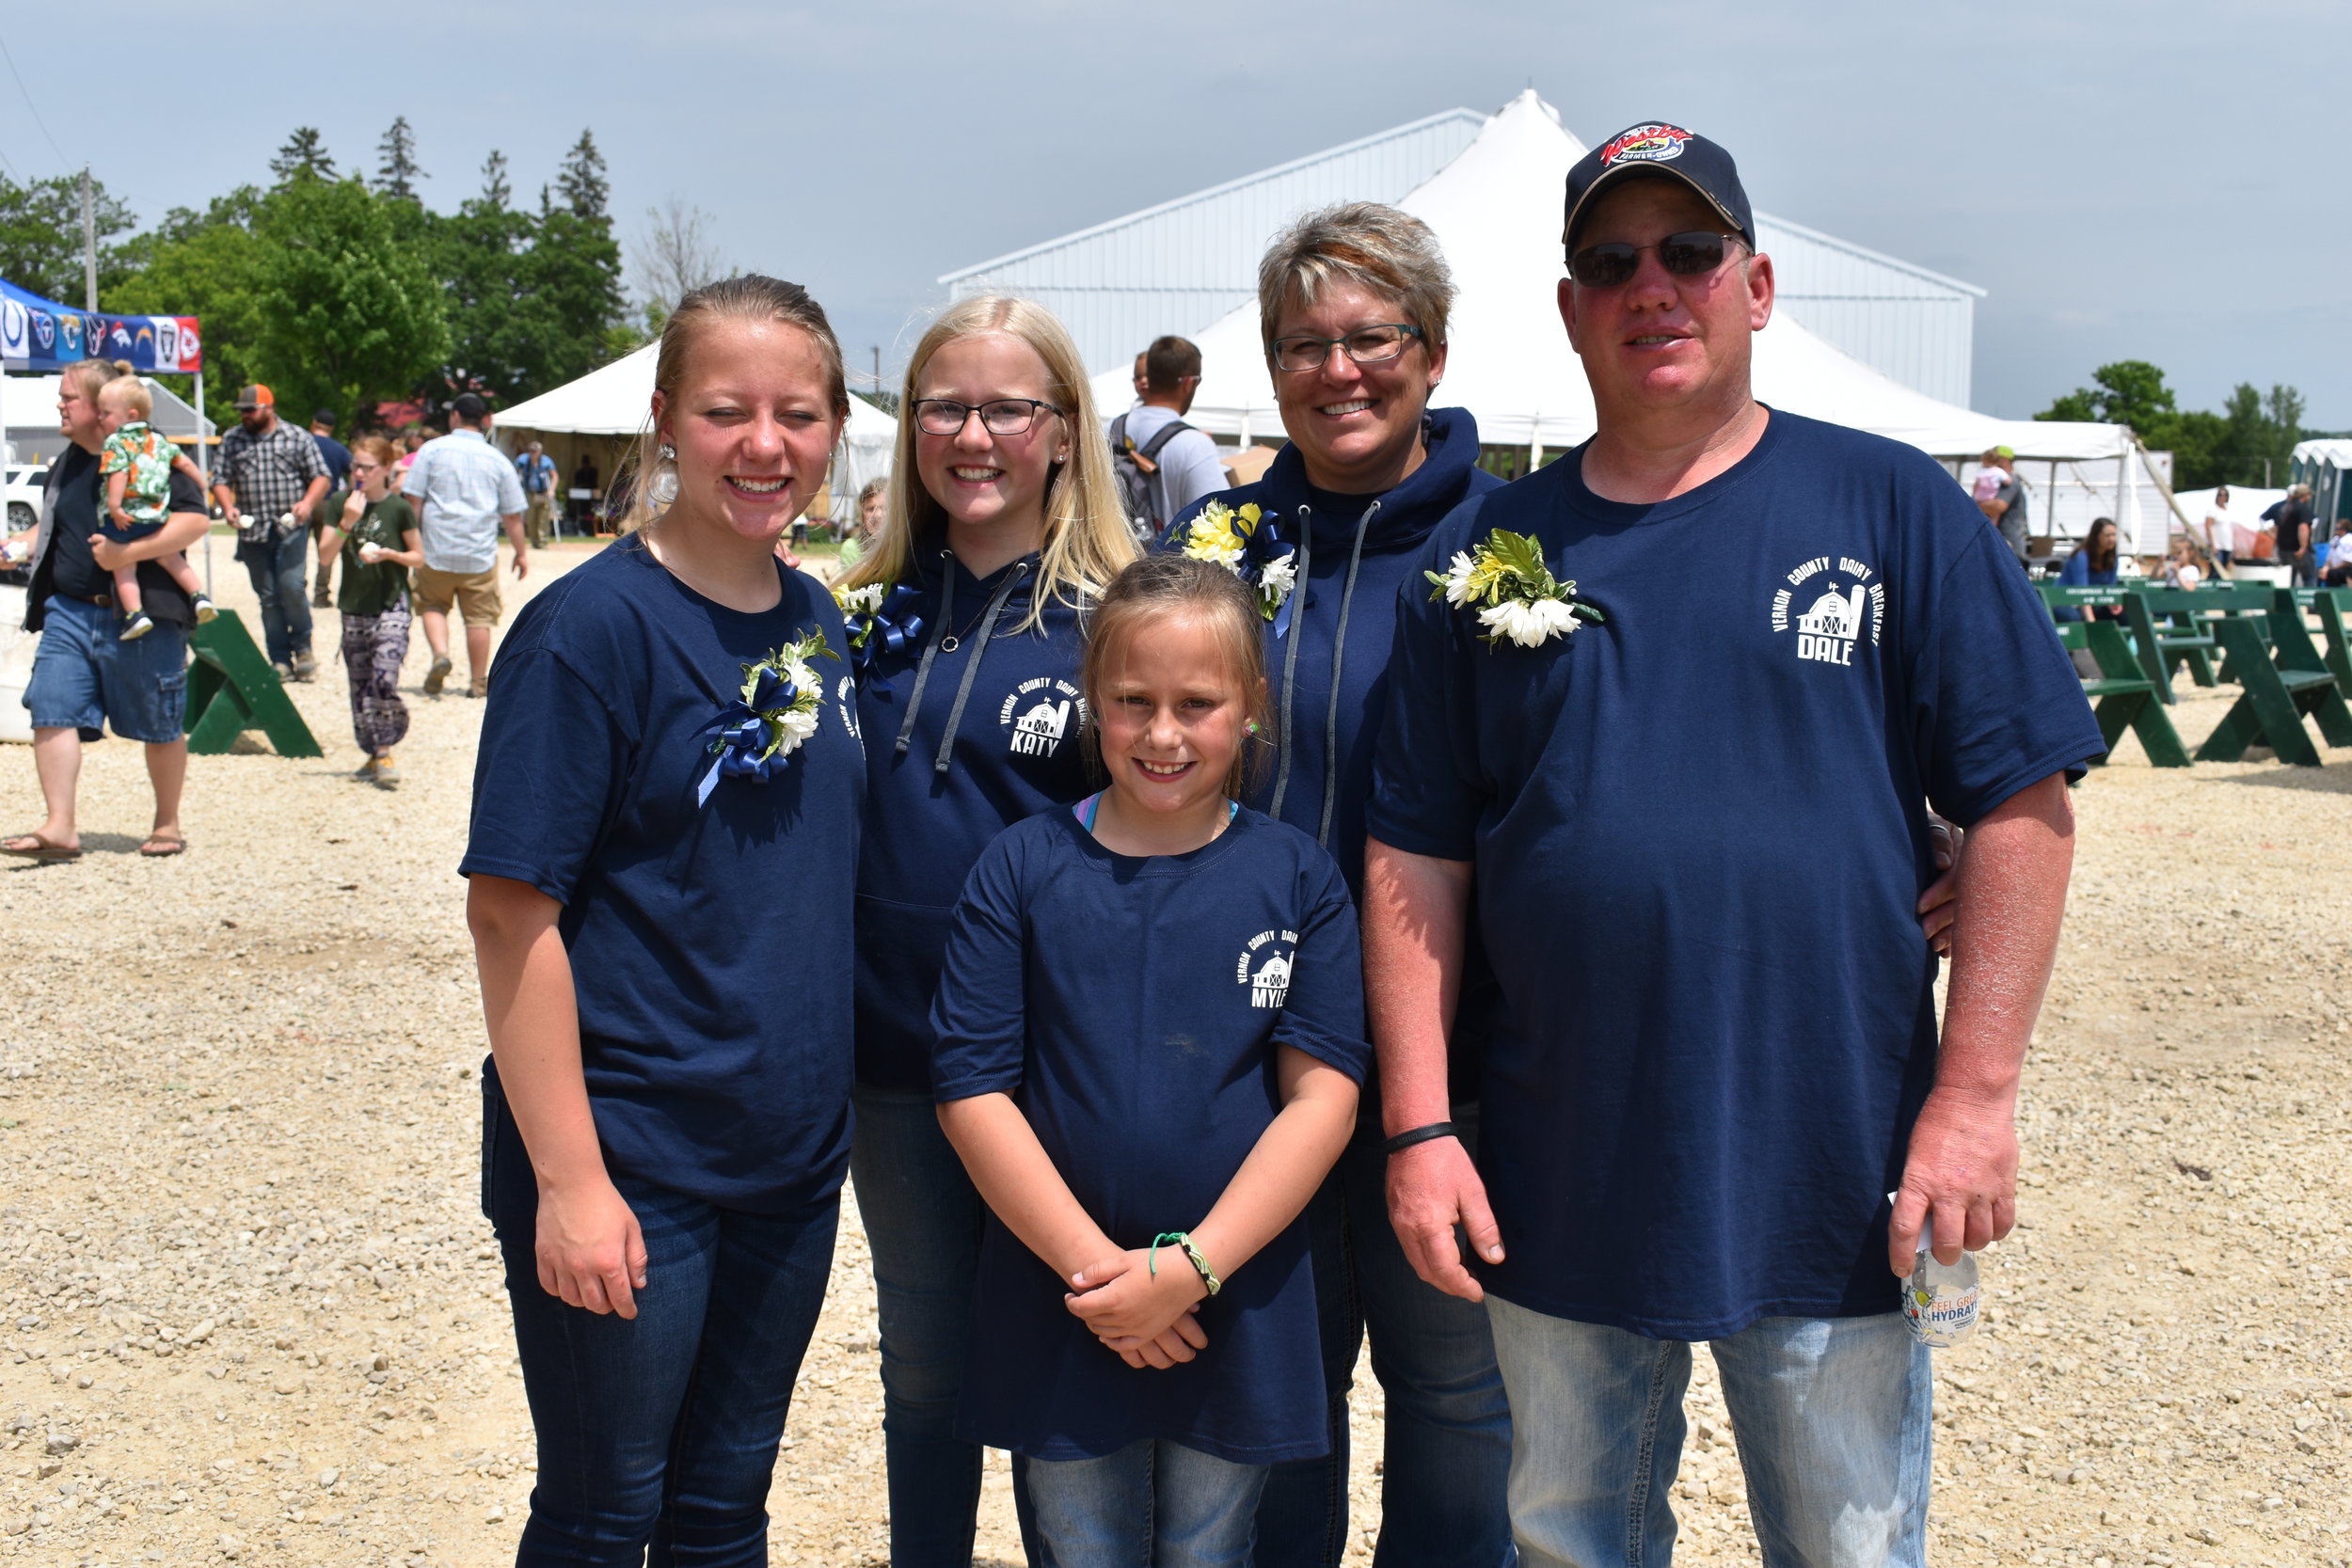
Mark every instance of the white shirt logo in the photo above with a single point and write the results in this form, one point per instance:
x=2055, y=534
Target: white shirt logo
x=846, y=694
x=1846, y=601
x=1041, y=714
x=1265, y=967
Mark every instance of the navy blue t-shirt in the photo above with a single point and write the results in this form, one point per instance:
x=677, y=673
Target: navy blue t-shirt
x=707, y=942
x=1132, y=1008
x=338, y=460
x=1016, y=751
x=1699, y=830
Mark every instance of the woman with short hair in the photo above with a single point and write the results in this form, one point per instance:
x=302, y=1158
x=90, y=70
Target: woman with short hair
x=1004, y=526
x=663, y=852
x=1353, y=305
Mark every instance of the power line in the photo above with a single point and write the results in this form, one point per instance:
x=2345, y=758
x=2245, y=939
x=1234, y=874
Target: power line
x=29, y=101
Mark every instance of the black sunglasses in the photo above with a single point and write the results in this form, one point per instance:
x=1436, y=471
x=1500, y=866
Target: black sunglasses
x=1687, y=255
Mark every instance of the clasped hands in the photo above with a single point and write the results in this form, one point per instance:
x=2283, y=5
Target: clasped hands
x=1149, y=1320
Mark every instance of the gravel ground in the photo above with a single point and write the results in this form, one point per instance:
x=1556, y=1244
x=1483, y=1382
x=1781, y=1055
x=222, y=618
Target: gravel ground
x=252, y=1314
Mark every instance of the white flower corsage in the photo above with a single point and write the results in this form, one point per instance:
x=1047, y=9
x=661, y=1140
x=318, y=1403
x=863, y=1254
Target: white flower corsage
x=1516, y=596
x=774, y=711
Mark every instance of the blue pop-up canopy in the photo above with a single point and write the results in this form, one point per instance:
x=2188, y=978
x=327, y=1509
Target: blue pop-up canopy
x=38, y=334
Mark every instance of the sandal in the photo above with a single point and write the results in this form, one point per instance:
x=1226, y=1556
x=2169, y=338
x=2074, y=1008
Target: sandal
x=157, y=846
x=32, y=846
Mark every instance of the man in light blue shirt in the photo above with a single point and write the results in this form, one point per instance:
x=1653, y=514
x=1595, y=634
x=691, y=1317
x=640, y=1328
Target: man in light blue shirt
x=536, y=470
x=464, y=490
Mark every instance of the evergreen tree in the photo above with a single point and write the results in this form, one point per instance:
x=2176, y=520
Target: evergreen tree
x=303, y=157
x=581, y=179
x=397, y=170
x=496, y=193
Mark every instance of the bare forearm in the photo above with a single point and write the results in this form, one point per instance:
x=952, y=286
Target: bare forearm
x=533, y=1018
x=1415, y=910
x=513, y=521
x=1017, y=1180
x=1289, y=1162
x=2012, y=898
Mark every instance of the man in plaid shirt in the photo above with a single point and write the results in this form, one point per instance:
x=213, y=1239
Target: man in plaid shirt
x=270, y=472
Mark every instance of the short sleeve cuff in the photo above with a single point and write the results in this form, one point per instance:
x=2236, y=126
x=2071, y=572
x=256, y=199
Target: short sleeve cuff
x=1975, y=805
x=971, y=1086
x=1417, y=837
x=516, y=871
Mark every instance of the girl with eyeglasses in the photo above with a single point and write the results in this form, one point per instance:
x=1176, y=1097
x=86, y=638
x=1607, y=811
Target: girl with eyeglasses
x=1004, y=526
x=380, y=546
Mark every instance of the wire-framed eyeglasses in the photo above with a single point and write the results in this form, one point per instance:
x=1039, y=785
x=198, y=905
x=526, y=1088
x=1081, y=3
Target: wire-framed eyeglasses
x=1366, y=345
x=998, y=416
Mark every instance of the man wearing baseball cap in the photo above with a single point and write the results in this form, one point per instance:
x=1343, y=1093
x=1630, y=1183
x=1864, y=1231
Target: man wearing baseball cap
x=2006, y=506
x=1683, y=753
x=269, y=481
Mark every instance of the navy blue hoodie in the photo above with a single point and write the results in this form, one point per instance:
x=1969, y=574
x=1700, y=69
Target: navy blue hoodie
x=1327, y=731
x=1010, y=699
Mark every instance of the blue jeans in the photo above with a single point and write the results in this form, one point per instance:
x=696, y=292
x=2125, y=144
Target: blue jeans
x=1150, y=1505
x=276, y=569
x=84, y=673
x=1446, y=1457
x=923, y=1220
x=658, y=1434
x=1830, y=1415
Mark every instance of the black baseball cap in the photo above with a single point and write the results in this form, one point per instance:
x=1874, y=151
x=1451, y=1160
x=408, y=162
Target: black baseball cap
x=1652, y=149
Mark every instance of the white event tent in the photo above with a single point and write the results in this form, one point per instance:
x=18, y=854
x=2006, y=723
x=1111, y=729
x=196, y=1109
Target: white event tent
x=1495, y=211
x=611, y=403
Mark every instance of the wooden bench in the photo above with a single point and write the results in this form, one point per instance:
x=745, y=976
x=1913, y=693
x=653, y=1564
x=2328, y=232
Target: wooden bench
x=2283, y=682
x=232, y=689
x=2328, y=605
x=2122, y=696
x=2173, y=626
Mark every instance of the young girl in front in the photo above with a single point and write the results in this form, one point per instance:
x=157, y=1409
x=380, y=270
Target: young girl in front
x=1150, y=1034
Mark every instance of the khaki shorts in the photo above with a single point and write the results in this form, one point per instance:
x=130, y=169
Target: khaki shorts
x=475, y=594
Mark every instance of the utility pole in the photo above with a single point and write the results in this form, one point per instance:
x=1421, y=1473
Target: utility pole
x=89, y=246
x=878, y=369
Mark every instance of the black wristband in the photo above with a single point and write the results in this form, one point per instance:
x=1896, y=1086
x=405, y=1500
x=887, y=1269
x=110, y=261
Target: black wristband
x=1419, y=1136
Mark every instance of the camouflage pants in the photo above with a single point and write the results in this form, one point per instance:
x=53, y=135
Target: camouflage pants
x=373, y=647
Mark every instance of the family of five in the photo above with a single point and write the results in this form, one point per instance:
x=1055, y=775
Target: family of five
x=1497, y=920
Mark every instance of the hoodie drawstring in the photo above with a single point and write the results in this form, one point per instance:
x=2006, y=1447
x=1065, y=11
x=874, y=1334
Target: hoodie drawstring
x=1339, y=657
x=1290, y=662
x=972, y=665
x=923, y=670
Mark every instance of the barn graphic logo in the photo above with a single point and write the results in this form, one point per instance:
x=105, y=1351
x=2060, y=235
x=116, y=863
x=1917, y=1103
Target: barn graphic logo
x=1832, y=603
x=1040, y=714
x=1265, y=967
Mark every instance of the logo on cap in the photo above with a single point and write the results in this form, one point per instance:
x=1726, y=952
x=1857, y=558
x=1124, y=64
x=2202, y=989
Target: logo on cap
x=1645, y=143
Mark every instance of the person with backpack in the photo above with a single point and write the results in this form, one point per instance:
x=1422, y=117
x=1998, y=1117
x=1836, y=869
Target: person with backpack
x=1163, y=464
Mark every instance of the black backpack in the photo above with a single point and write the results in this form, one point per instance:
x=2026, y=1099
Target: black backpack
x=1134, y=467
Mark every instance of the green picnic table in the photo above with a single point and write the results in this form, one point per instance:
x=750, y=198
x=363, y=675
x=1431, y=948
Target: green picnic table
x=2284, y=677
x=2124, y=695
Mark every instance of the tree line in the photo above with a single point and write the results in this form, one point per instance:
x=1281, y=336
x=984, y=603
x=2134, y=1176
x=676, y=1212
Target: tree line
x=341, y=289
x=2247, y=443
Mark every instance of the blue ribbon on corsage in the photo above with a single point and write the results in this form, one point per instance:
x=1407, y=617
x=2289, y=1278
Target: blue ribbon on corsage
x=750, y=738
x=894, y=628
x=1262, y=545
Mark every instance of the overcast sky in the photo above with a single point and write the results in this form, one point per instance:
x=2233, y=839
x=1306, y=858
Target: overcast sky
x=2160, y=180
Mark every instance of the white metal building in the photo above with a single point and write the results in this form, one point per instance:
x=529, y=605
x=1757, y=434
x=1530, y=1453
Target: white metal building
x=1181, y=266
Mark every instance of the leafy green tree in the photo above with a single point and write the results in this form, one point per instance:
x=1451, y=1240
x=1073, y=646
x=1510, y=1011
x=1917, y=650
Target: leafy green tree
x=303, y=157
x=2250, y=438
x=496, y=193
x=397, y=170
x=346, y=316
x=41, y=236
x=203, y=265
x=2130, y=391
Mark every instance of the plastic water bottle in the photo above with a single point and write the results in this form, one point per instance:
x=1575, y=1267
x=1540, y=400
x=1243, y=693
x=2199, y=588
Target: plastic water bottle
x=1940, y=1300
